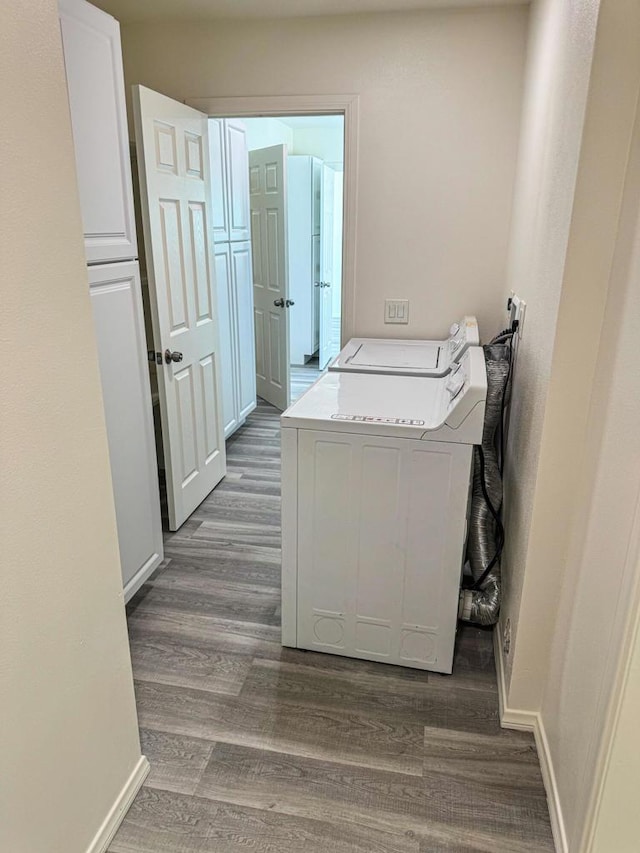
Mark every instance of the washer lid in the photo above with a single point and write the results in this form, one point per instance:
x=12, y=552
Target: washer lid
x=351, y=401
x=431, y=408
x=397, y=355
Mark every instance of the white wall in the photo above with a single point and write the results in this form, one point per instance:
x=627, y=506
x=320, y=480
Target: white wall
x=68, y=736
x=574, y=481
x=601, y=564
x=327, y=143
x=264, y=132
x=559, y=55
x=439, y=116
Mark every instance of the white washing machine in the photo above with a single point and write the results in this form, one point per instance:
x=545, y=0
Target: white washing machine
x=408, y=358
x=376, y=473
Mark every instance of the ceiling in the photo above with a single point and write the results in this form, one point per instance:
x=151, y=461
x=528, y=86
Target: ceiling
x=199, y=10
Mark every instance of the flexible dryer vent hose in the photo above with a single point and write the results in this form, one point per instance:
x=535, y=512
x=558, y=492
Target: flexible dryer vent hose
x=482, y=605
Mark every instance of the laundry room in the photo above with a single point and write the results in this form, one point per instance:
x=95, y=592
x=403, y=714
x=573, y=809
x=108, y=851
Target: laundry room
x=359, y=337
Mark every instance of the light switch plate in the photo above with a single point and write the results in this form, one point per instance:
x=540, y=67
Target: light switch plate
x=396, y=310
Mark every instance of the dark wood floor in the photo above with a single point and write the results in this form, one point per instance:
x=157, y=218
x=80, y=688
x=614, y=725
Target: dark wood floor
x=255, y=747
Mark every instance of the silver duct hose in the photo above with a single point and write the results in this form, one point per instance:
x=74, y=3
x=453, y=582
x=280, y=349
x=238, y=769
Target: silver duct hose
x=481, y=603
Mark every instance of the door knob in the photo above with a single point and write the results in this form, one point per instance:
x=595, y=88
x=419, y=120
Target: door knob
x=317, y=284
x=172, y=356
x=279, y=303
x=289, y=303
x=326, y=284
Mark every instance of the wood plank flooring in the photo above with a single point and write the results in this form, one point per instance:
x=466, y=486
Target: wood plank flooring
x=256, y=747
x=301, y=378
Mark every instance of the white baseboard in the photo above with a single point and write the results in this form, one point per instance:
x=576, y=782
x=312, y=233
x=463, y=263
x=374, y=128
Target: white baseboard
x=515, y=718
x=104, y=836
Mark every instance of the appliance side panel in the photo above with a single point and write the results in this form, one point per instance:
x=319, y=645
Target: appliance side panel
x=381, y=540
x=327, y=539
x=436, y=479
x=289, y=511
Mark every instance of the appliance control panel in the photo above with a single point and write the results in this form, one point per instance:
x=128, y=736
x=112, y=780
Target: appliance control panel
x=465, y=332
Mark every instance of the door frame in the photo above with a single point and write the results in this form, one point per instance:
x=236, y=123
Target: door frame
x=272, y=106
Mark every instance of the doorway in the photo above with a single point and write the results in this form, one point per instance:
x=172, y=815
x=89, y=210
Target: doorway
x=295, y=192
x=314, y=202
x=288, y=107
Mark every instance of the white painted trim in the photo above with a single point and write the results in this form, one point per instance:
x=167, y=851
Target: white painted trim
x=510, y=718
x=550, y=786
x=104, y=836
x=515, y=718
x=143, y=574
x=281, y=105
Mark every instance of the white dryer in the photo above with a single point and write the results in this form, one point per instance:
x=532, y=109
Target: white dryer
x=376, y=473
x=408, y=358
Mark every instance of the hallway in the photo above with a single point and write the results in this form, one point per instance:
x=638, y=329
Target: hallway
x=253, y=746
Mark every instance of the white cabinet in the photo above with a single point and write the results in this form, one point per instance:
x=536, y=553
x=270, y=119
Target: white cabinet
x=231, y=229
x=93, y=62
x=230, y=180
x=119, y=323
x=219, y=203
x=304, y=195
x=237, y=344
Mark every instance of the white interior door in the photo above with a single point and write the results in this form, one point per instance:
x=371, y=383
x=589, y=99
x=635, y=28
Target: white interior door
x=173, y=164
x=267, y=186
x=325, y=348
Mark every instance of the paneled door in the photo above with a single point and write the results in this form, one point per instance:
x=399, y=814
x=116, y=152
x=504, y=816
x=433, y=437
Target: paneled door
x=173, y=164
x=326, y=268
x=267, y=194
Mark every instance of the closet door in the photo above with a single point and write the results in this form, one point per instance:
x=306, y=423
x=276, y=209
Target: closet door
x=122, y=352
x=219, y=204
x=245, y=334
x=227, y=335
x=95, y=83
x=237, y=180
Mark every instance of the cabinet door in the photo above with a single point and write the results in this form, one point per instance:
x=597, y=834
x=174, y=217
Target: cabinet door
x=245, y=334
x=237, y=180
x=226, y=331
x=95, y=83
x=117, y=312
x=219, y=205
